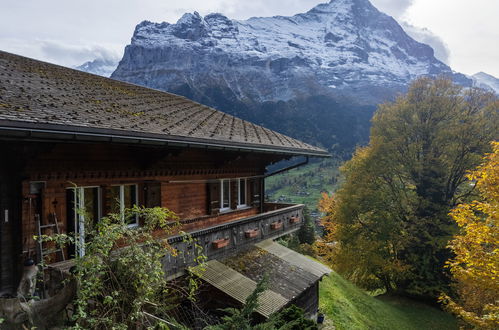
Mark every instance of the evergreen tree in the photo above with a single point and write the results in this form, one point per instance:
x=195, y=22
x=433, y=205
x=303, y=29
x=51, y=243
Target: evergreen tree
x=306, y=234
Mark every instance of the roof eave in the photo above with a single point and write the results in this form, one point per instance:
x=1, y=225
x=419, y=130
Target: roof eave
x=70, y=133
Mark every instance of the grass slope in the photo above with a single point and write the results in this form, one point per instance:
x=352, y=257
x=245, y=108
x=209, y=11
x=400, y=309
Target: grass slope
x=304, y=184
x=351, y=308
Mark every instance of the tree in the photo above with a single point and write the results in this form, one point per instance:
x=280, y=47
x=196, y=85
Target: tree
x=389, y=223
x=306, y=234
x=475, y=266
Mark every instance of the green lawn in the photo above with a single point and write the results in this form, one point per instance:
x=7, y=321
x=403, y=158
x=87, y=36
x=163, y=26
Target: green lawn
x=304, y=184
x=351, y=308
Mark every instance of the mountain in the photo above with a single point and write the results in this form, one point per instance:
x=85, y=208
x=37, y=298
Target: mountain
x=316, y=76
x=100, y=66
x=486, y=81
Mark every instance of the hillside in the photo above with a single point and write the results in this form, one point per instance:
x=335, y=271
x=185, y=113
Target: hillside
x=304, y=184
x=350, y=308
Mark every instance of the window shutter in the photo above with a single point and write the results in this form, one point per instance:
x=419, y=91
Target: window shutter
x=152, y=194
x=214, y=198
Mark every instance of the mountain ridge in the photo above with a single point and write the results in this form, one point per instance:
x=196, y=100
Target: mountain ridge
x=317, y=76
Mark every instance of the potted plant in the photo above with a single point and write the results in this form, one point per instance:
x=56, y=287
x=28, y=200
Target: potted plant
x=276, y=225
x=251, y=233
x=220, y=243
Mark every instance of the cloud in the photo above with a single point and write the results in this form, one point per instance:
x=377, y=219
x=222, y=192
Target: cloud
x=61, y=52
x=398, y=9
x=425, y=36
x=76, y=54
x=395, y=8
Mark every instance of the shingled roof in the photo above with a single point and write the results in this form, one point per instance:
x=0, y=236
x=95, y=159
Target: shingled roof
x=42, y=98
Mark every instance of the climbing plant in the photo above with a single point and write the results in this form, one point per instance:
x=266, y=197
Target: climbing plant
x=121, y=280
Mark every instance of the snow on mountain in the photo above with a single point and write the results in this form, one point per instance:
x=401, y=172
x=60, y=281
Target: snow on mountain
x=99, y=66
x=344, y=46
x=486, y=81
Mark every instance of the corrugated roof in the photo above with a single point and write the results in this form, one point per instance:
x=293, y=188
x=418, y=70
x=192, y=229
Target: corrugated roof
x=40, y=96
x=284, y=278
x=294, y=258
x=240, y=287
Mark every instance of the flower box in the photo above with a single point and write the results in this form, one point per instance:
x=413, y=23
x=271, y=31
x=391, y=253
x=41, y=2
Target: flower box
x=276, y=225
x=251, y=233
x=220, y=243
x=294, y=220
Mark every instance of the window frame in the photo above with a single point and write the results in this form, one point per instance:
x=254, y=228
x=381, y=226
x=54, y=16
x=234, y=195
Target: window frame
x=222, y=208
x=239, y=204
x=122, y=202
x=79, y=218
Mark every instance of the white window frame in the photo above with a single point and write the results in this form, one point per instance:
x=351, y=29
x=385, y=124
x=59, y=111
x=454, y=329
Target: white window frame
x=239, y=204
x=222, y=208
x=79, y=219
x=122, y=202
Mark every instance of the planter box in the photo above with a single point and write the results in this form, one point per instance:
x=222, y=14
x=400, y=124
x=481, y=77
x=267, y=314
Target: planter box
x=276, y=225
x=220, y=243
x=251, y=233
x=294, y=220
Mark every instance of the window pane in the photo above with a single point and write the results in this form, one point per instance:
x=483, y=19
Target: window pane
x=129, y=200
x=129, y=196
x=114, y=199
x=91, y=204
x=225, y=194
x=242, y=191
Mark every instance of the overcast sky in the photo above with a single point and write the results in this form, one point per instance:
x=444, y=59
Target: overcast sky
x=464, y=33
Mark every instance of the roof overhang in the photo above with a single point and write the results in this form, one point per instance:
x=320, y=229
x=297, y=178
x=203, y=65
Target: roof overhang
x=23, y=130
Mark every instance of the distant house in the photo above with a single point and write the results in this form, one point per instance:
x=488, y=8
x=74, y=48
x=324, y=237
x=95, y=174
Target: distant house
x=71, y=139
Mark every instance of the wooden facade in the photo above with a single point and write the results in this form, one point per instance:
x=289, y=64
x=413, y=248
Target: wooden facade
x=42, y=177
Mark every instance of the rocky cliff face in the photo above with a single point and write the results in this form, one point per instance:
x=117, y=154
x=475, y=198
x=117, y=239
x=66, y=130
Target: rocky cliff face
x=333, y=63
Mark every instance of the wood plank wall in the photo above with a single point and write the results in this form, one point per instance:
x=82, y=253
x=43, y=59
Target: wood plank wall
x=183, y=176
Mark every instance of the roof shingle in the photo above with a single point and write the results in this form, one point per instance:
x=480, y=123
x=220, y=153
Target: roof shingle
x=35, y=94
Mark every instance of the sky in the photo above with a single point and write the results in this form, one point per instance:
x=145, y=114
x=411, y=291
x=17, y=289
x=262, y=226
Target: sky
x=464, y=33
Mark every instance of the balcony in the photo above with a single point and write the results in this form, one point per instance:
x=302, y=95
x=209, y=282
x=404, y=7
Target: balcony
x=227, y=238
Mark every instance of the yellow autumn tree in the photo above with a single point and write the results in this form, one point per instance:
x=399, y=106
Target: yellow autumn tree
x=475, y=266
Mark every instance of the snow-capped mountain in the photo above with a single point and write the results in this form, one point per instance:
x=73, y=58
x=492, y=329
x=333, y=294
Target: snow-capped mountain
x=343, y=45
x=317, y=76
x=99, y=66
x=486, y=81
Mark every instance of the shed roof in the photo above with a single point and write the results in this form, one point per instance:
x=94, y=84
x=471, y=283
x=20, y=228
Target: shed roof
x=240, y=287
x=284, y=278
x=51, y=100
x=294, y=258
x=237, y=276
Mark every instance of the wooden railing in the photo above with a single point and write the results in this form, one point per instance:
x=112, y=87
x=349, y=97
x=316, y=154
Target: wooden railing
x=278, y=220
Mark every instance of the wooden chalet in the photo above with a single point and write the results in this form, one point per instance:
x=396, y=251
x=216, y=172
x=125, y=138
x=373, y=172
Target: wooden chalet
x=69, y=138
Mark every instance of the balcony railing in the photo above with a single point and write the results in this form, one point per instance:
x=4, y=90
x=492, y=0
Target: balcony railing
x=223, y=240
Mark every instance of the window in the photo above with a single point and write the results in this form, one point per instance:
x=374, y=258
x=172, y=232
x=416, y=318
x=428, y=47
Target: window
x=224, y=195
x=84, y=208
x=124, y=197
x=241, y=196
